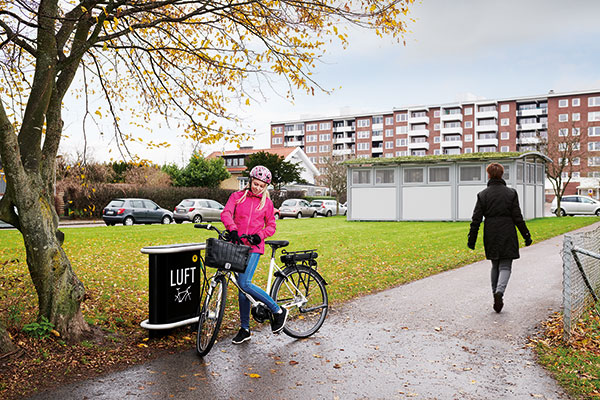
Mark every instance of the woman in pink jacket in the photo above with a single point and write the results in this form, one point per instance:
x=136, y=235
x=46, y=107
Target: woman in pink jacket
x=250, y=212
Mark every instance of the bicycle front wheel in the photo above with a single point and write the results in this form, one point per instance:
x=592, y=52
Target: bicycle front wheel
x=211, y=315
x=301, y=290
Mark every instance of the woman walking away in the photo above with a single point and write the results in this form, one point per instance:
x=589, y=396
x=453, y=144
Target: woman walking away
x=500, y=207
x=250, y=212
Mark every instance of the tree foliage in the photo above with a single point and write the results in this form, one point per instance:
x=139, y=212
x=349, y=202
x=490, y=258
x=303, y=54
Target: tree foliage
x=282, y=171
x=184, y=60
x=199, y=172
x=334, y=177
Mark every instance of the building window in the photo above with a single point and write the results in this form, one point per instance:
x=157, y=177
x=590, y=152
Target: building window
x=594, y=131
x=311, y=127
x=505, y=108
x=389, y=133
x=361, y=177
x=436, y=114
x=389, y=145
x=575, y=102
x=364, y=134
x=277, y=140
x=311, y=149
x=439, y=174
x=384, y=176
x=323, y=126
x=594, y=161
x=277, y=130
x=563, y=103
x=563, y=132
x=576, y=117
x=594, y=101
x=504, y=149
x=324, y=149
x=389, y=120
x=468, y=111
x=468, y=138
x=401, y=117
x=576, y=131
x=563, y=117
x=311, y=138
x=505, y=135
x=576, y=161
x=468, y=150
x=436, y=127
x=325, y=137
x=594, y=146
x=436, y=152
x=363, y=146
x=468, y=124
x=377, y=133
x=313, y=159
x=401, y=129
x=363, y=123
x=413, y=175
x=418, y=153
x=470, y=173
x=594, y=116
x=401, y=142
x=436, y=139
x=377, y=120
x=504, y=122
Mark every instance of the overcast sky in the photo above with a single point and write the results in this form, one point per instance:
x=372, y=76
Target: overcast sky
x=455, y=50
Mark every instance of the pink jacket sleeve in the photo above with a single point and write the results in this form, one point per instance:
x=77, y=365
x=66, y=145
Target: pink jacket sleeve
x=227, y=213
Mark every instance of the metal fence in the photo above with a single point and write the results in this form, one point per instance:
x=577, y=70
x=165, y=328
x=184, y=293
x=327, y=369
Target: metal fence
x=581, y=275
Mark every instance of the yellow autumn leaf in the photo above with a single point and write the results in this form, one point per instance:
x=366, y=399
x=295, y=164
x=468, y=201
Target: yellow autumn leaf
x=55, y=332
x=255, y=376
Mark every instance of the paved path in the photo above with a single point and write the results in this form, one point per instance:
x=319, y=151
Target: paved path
x=437, y=338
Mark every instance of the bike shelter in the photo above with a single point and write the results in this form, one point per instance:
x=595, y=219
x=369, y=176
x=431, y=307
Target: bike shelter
x=174, y=286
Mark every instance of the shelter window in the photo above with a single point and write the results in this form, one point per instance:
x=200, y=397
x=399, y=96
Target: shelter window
x=361, y=176
x=439, y=174
x=413, y=175
x=384, y=176
x=520, y=173
x=470, y=173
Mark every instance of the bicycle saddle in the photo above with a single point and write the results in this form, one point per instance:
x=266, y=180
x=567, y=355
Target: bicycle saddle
x=275, y=244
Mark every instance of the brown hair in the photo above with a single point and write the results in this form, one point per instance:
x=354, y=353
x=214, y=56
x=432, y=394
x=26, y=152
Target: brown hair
x=495, y=170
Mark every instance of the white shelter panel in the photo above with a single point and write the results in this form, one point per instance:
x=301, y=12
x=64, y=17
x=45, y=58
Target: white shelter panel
x=539, y=201
x=529, y=211
x=467, y=197
x=431, y=203
x=520, y=188
x=374, y=204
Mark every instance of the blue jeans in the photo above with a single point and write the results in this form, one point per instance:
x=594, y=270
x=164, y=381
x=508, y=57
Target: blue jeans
x=245, y=282
x=500, y=274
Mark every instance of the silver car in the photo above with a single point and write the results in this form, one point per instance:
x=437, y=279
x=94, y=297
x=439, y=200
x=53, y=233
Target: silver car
x=296, y=208
x=327, y=207
x=571, y=205
x=198, y=210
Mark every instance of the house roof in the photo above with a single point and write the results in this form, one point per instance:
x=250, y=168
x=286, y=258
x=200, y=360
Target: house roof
x=442, y=158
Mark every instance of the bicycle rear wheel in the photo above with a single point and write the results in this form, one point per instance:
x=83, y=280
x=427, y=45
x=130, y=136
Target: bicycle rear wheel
x=301, y=290
x=211, y=315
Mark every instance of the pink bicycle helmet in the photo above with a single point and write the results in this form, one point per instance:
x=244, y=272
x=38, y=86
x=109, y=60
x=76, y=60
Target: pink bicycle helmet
x=261, y=173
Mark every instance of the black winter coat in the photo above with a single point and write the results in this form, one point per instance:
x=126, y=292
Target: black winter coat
x=499, y=205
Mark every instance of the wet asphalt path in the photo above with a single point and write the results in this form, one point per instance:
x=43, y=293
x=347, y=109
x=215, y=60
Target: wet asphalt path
x=437, y=338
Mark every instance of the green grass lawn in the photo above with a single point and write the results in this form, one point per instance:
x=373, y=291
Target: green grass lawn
x=356, y=258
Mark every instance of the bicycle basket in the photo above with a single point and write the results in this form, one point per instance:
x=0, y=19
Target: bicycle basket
x=226, y=256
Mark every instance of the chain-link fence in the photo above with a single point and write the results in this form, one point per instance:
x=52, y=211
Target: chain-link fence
x=581, y=275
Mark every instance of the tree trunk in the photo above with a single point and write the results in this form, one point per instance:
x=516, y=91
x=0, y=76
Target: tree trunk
x=59, y=290
x=6, y=344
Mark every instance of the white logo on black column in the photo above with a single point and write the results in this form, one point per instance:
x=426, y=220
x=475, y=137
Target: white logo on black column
x=180, y=297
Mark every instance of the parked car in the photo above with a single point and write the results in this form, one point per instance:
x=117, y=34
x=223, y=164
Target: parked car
x=135, y=211
x=5, y=224
x=327, y=207
x=198, y=210
x=276, y=213
x=297, y=208
x=571, y=205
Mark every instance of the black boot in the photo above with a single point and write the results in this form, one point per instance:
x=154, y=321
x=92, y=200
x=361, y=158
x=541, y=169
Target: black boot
x=498, y=303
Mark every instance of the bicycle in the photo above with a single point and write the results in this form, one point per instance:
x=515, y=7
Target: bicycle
x=297, y=286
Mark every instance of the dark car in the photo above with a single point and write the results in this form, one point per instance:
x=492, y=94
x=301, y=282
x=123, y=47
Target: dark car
x=135, y=211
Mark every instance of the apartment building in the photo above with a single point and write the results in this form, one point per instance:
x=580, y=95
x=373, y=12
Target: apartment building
x=496, y=125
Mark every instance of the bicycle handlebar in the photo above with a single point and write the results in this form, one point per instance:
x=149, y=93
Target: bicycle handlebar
x=223, y=235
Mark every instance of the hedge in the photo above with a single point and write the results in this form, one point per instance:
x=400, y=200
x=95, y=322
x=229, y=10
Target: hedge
x=89, y=201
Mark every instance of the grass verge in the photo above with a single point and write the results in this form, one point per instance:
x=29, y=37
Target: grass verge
x=356, y=258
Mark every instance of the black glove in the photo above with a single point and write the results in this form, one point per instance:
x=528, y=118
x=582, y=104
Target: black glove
x=528, y=240
x=234, y=237
x=254, y=239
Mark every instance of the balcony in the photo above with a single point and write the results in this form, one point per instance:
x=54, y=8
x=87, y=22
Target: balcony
x=486, y=128
x=487, y=114
x=451, y=117
x=457, y=130
x=376, y=127
x=532, y=112
x=418, y=146
x=342, y=152
x=378, y=149
x=344, y=129
x=529, y=140
x=418, y=120
x=451, y=143
x=297, y=132
x=487, y=142
x=343, y=140
x=532, y=127
x=419, y=132
x=294, y=143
